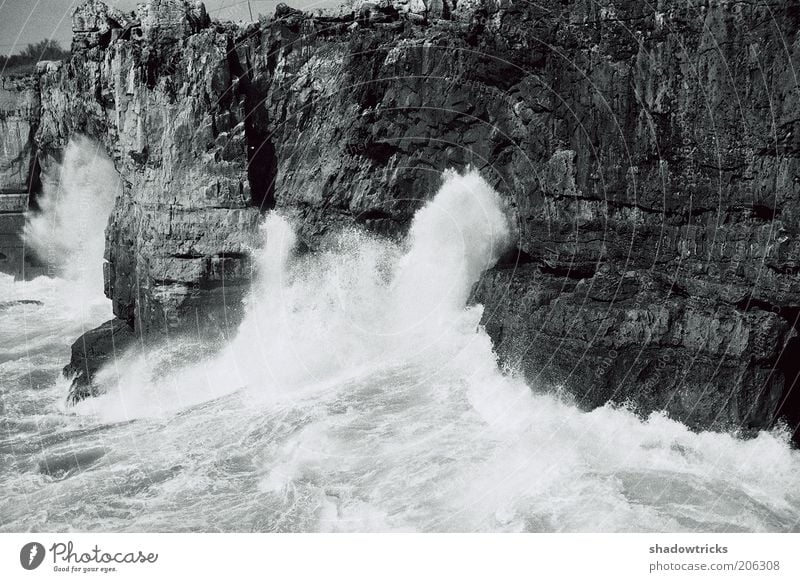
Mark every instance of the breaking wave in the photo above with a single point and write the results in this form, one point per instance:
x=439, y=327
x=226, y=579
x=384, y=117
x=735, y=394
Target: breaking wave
x=67, y=233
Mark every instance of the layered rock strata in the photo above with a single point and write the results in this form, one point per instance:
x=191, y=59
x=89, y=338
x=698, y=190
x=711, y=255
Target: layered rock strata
x=19, y=172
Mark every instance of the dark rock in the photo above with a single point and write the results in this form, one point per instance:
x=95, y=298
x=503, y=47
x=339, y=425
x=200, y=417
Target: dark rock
x=93, y=350
x=282, y=10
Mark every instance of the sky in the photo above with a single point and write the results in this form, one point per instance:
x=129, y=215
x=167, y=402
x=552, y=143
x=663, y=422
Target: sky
x=27, y=21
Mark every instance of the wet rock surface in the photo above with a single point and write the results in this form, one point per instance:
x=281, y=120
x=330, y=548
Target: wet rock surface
x=648, y=154
x=94, y=349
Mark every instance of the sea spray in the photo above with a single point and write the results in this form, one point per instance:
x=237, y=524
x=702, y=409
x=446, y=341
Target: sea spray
x=68, y=231
x=453, y=239
x=358, y=304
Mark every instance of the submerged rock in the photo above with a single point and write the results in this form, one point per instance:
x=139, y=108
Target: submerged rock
x=60, y=465
x=18, y=302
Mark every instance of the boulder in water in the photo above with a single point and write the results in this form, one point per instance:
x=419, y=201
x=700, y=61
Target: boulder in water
x=91, y=351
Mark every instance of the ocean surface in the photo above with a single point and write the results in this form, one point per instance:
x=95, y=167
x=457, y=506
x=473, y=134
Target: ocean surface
x=360, y=394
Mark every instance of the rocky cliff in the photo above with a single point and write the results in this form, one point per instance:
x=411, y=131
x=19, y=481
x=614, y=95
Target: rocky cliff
x=648, y=152
x=19, y=172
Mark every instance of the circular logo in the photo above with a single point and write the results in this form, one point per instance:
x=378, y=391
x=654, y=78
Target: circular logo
x=31, y=555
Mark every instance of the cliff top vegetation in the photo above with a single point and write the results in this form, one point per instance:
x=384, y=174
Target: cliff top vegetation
x=25, y=61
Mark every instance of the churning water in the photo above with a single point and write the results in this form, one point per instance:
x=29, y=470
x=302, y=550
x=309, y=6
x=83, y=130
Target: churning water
x=361, y=394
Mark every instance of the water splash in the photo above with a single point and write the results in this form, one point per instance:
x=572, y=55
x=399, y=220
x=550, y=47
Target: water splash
x=359, y=304
x=68, y=232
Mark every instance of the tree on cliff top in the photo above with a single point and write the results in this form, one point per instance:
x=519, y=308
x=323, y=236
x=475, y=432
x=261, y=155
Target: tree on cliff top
x=25, y=61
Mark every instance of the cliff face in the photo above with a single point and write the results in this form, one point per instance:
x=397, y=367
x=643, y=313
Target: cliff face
x=156, y=88
x=19, y=174
x=648, y=152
